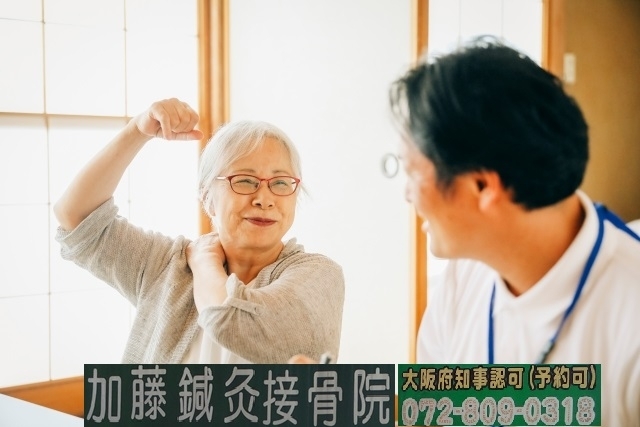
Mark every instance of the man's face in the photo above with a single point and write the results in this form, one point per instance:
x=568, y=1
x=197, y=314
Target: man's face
x=443, y=210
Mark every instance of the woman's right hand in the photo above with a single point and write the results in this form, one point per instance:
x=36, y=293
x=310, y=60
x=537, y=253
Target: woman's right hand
x=170, y=119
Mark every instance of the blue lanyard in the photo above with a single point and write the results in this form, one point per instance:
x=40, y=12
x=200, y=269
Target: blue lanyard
x=603, y=215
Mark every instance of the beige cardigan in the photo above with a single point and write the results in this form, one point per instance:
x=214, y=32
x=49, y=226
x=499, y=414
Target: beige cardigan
x=294, y=306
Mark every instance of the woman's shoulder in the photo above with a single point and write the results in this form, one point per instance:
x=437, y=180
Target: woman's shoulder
x=294, y=253
x=294, y=261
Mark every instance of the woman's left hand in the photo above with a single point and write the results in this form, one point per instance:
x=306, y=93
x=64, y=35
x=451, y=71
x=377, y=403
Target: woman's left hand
x=205, y=252
x=206, y=258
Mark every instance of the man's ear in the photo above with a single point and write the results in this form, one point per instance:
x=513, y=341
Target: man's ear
x=489, y=189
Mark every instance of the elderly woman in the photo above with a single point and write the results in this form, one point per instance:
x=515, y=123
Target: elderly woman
x=238, y=295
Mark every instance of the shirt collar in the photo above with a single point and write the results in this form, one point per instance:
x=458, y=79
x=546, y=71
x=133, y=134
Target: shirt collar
x=554, y=291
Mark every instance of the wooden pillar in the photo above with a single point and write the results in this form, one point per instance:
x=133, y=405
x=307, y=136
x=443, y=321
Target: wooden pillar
x=418, y=240
x=553, y=37
x=213, y=70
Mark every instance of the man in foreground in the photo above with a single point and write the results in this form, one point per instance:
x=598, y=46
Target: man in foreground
x=495, y=152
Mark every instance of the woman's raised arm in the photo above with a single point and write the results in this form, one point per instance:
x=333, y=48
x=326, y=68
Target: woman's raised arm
x=170, y=119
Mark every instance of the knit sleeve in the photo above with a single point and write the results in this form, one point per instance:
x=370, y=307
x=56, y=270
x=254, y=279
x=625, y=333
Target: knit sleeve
x=300, y=312
x=124, y=256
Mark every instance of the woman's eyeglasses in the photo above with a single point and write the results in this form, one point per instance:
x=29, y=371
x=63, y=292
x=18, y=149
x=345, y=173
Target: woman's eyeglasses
x=249, y=184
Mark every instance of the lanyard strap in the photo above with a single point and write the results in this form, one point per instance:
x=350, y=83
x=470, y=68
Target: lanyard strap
x=606, y=214
x=603, y=214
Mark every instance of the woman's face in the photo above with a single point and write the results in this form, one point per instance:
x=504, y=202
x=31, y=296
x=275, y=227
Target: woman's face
x=259, y=220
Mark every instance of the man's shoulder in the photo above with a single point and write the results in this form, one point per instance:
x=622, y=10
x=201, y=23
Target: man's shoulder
x=621, y=256
x=465, y=279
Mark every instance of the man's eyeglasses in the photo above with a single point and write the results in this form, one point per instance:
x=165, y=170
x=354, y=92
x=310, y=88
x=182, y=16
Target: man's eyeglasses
x=249, y=184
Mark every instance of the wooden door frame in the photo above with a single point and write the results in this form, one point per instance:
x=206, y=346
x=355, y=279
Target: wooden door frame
x=553, y=36
x=417, y=238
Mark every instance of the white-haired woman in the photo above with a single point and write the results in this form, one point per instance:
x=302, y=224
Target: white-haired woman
x=237, y=295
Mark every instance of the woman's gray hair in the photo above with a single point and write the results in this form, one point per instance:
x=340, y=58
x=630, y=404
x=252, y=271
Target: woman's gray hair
x=233, y=141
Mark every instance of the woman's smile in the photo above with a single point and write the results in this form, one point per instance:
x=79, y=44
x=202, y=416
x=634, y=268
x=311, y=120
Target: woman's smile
x=261, y=222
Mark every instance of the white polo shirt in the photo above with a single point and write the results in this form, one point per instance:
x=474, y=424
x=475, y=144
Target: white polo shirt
x=604, y=327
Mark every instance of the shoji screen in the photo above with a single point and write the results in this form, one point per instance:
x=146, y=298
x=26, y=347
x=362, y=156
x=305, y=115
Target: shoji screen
x=73, y=74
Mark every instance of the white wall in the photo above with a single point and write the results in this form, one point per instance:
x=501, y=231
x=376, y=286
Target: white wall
x=321, y=71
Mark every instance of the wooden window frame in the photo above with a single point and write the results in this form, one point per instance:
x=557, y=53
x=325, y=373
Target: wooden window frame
x=67, y=394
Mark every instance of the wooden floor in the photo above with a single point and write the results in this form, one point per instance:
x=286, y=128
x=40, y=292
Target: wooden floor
x=65, y=395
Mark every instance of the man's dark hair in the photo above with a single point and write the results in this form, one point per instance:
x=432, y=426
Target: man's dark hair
x=487, y=106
